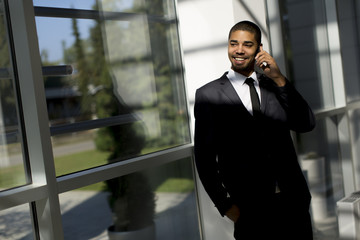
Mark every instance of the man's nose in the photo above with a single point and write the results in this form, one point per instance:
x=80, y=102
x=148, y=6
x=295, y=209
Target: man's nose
x=239, y=49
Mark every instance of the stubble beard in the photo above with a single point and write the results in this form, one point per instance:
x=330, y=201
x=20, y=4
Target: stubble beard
x=244, y=70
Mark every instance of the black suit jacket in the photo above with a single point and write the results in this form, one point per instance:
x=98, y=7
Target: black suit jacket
x=239, y=159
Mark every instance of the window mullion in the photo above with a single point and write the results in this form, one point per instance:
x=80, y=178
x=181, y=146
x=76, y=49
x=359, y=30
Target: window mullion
x=35, y=116
x=335, y=53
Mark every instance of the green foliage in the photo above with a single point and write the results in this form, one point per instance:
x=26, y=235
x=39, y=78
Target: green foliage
x=82, y=70
x=7, y=94
x=103, y=140
x=4, y=48
x=131, y=199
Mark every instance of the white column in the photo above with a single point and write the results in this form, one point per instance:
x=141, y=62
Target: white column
x=204, y=28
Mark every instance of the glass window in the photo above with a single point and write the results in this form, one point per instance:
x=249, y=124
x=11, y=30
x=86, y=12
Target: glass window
x=113, y=77
x=12, y=167
x=82, y=4
x=355, y=123
x=348, y=20
x=306, y=41
x=157, y=203
x=15, y=223
x=321, y=164
x=307, y=50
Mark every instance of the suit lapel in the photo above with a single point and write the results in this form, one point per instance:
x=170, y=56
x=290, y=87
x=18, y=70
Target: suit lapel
x=228, y=89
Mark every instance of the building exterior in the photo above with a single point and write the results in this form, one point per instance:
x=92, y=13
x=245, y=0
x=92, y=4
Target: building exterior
x=98, y=96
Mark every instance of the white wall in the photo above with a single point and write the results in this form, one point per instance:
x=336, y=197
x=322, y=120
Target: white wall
x=204, y=29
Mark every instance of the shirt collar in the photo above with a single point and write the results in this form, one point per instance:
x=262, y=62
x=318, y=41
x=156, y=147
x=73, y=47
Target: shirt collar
x=235, y=76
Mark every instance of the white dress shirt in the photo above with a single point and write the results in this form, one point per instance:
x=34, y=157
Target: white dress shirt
x=242, y=89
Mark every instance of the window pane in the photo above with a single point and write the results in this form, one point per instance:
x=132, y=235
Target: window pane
x=321, y=164
x=15, y=223
x=117, y=75
x=306, y=48
x=161, y=197
x=355, y=123
x=83, y=4
x=12, y=171
x=154, y=7
x=76, y=152
x=348, y=20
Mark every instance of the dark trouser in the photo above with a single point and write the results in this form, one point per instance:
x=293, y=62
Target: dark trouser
x=278, y=220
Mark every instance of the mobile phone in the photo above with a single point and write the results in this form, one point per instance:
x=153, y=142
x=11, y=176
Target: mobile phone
x=257, y=51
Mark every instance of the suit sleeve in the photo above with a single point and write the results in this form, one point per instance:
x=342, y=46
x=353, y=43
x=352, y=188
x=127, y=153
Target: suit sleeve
x=300, y=116
x=206, y=152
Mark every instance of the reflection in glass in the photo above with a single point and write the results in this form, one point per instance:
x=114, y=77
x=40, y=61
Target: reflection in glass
x=12, y=173
x=305, y=40
x=321, y=164
x=348, y=21
x=85, y=4
x=130, y=6
x=355, y=123
x=159, y=201
x=76, y=152
x=126, y=84
x=15, y=223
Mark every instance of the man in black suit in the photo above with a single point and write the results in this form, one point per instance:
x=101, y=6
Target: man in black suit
x=243, y=148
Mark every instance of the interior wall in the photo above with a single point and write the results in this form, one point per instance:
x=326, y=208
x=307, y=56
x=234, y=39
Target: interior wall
x=204, y=27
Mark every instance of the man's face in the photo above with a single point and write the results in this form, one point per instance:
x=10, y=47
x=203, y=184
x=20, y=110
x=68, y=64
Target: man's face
x=242, y=49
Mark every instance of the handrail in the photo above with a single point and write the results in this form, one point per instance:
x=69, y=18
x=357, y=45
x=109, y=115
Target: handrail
x=95, y=14
x=93, y=124
x=60, y=70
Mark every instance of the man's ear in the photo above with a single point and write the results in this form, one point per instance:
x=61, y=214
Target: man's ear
x=258, y=49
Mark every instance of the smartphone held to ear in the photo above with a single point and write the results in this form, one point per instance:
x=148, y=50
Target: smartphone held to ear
x=264, y=64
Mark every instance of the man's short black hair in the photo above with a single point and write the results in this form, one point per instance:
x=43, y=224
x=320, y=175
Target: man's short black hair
x=247, y=26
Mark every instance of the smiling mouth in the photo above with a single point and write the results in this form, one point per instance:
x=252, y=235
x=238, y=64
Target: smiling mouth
x=239, y=59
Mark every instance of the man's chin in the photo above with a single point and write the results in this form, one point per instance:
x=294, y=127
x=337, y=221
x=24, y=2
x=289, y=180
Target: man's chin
x=242, y=69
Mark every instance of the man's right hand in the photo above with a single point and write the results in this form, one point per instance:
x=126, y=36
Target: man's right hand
x=233, y=213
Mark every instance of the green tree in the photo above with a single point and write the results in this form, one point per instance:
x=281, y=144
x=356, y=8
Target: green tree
x=131, y=198
x=7, y=94
x=173, y=116
x=122, y=140
x=82, y=71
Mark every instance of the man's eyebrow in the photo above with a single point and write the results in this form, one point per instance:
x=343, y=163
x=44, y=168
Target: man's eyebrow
x=248, y=42
x=245, y=42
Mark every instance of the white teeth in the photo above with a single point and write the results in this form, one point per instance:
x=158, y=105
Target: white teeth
x=239, y=59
